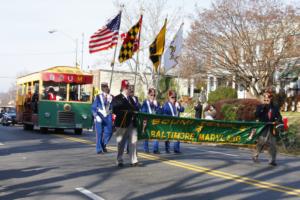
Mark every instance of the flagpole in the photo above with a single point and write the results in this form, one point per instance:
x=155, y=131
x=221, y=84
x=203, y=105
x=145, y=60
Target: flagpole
x=158, y=76
x=137, y=55
x=113, y=64
x=115, y=52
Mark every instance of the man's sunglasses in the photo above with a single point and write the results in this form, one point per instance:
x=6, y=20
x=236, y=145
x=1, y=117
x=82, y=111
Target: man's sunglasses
x=152, y=95
x=173, y=97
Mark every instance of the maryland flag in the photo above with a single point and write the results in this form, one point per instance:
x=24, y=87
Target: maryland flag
x=157, y=47
x=131, y=42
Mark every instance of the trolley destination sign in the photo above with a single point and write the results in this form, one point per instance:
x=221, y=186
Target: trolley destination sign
x=197, y=130
x=67, y=78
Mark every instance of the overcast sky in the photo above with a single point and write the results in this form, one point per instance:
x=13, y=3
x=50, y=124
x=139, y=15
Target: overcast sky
x=26, y=45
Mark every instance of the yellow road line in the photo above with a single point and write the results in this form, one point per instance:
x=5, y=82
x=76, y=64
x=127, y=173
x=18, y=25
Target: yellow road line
x=75, y=139
x=212, y=172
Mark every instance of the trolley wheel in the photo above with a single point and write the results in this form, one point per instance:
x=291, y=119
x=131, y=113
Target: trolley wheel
x=78, y=131
x=44, y=129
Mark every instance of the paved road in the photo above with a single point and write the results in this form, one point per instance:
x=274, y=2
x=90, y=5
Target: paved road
x=65, y=166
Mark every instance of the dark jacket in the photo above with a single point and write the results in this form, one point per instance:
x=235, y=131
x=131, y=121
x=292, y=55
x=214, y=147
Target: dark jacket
x=262, y=114
x=262, y=111
x=124, y=110
x=198, y=111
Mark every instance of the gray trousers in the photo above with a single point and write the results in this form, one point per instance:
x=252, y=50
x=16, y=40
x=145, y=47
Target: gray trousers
x=127, y=134
x=267, y=139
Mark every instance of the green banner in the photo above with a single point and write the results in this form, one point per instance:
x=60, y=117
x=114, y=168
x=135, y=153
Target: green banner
x=163, y=127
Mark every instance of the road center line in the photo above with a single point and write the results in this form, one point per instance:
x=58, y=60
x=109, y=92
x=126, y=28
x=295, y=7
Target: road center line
x=89, y=194
x=215, y=173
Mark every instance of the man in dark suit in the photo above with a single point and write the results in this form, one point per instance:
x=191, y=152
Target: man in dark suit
x=269, y=113
x=124, y=108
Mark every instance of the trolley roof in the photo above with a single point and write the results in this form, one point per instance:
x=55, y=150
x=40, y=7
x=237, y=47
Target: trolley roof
x=67, y=70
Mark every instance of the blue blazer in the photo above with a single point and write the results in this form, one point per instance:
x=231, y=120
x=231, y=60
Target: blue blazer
x=145, y=108
x=97, y=104
x=166, y=110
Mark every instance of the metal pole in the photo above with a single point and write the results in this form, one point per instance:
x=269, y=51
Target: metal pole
x=158, y=76
x=82, y=48
x=135, y=73
x=113, y=65
x=76, y=51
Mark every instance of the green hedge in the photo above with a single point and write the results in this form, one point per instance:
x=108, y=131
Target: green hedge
x=221, y=93
x=229, y=112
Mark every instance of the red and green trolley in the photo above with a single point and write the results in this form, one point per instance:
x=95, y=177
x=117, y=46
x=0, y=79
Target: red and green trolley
x=58, y=98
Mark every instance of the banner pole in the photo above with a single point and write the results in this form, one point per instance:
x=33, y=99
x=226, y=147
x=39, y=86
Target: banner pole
x=113, y=65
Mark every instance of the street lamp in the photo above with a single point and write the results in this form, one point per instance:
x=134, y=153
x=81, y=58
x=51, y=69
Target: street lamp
x=70, y=37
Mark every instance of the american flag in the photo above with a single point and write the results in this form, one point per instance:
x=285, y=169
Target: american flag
x=107, y=36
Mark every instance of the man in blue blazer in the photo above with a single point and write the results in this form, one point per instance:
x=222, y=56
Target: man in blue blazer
x=102, y=112
x=172, y=108
x=151, y=106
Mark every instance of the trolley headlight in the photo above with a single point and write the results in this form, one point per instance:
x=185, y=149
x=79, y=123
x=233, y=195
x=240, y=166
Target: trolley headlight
x=84, y=116
x=47, y=114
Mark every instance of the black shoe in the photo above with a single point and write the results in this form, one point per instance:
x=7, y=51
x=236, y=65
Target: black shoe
x=146, y=151
x=120, y=165
x=105, y=150
x=167, y=151
x=100, y=152
x=274, y=164
x=137, y=164
x=177, y=152
x=255, y=159
x=156, y=152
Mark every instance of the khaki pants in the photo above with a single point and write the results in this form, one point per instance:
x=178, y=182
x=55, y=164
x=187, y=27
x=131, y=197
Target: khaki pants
x=122, y=135
x=267, y=139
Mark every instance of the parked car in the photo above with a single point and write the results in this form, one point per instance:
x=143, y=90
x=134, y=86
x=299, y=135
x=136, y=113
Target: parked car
x=9, y=117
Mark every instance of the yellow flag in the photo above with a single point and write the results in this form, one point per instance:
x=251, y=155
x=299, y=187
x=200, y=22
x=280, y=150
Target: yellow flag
x=158, y=46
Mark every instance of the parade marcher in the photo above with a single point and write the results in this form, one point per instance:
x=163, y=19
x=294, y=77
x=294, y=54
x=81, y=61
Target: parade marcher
x=124, y=108
x=134, y=98
x=198, y=110
x=151, y=106
x=269, y=113
x=173, y=108
x=137, y=106
x=102, y=112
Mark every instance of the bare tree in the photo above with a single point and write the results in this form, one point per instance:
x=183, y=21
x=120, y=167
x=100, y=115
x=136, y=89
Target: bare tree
x=245, y=39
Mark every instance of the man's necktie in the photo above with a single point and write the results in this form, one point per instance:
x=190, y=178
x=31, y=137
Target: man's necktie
x=270, y=114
